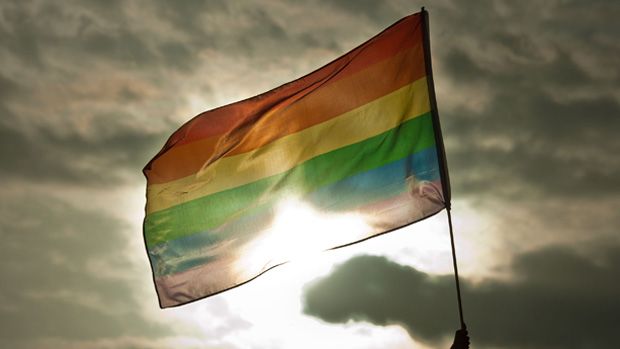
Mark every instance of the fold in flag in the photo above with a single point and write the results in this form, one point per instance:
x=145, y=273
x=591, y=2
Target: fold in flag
x=347, y=152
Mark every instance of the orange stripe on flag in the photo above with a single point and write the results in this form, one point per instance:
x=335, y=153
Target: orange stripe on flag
x=236, y=116
x=317, y=107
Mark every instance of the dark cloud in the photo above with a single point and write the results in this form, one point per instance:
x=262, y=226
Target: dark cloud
x=549, y=125
x=74, y=68
x=19, y=34
x=557, y=299
x=189, y=16
x=8, y=88
x=374, y=289
x=560, y=149
x=250, y=31
x=93, y=31
x=45, y=156
x=58, y=265
x=119, y=45
x=381, y=12
x=246, y=32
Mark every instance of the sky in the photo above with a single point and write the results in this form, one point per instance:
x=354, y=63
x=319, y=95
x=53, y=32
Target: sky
x=529, y=100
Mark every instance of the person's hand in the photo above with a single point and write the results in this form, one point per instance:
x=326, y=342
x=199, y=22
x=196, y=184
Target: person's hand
x=461, y=340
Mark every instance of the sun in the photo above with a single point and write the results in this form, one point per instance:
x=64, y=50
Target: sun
x=298, y=232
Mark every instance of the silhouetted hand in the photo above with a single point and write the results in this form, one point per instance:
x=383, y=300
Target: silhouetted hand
x=461, y=340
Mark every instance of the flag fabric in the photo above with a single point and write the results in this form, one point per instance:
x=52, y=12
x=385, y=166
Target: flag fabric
x=347, y=152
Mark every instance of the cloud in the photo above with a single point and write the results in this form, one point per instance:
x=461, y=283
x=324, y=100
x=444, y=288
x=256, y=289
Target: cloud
x=76, y=104
x=556, y=299
x=63, y=273
x=537, y=116
x=380, y=12
x=546, y=148
x=44, y=156
x=89, y=91
x=89, y=32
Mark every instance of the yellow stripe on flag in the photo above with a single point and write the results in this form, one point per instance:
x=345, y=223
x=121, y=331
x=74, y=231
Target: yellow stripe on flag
x=287, y=152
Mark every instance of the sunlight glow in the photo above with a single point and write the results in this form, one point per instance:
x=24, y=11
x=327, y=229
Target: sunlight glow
x=275, y=301
x=299, y=231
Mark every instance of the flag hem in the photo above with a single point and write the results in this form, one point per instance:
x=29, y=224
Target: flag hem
x=441, y=152
x=277, y=265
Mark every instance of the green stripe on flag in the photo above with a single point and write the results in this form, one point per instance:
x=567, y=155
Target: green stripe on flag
x=213, y=210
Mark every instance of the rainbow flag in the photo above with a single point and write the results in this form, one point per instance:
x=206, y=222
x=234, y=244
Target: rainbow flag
x=347, y=152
